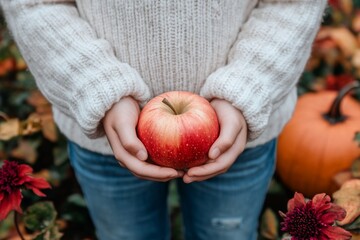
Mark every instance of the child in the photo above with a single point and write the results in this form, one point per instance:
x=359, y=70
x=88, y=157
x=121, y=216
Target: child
x=98, y=62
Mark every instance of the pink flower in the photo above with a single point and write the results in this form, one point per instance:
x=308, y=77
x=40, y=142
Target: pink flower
x=13, y=178
x=313, y=219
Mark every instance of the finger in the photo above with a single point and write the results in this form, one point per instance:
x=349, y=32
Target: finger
x=139, y=168
x=158, y=180
x=188, y=179
x=143, y=169
x=229, y=130
x=150, y=171
x=115, y=145
x=221, y=164
x=131, y=142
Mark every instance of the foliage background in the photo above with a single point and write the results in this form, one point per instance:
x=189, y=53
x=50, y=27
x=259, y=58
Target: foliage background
x=28, y=133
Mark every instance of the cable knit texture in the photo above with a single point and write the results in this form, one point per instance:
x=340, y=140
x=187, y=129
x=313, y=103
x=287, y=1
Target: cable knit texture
x=87, y=54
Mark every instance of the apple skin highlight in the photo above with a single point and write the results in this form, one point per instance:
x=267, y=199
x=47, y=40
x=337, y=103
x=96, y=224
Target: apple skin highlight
x=180, y=139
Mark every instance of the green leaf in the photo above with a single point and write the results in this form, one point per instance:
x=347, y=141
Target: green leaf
x=40, y=216
x=77, y=199
x=353, y=226
x=357, y=138
x=60, y=155
x=6, y=225
x=173, y=198
x=355, y=168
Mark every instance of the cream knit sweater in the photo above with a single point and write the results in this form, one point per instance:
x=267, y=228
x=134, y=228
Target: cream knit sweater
x=87, y=54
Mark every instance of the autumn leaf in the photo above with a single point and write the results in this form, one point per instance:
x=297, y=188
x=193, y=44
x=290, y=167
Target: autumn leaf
x=36, y=99
x=9, y=129
x=348, y=197
x=26, y=150
x=44, y=111
x=48, y=127
x=342, y=37
x=269, y=225
x=34, y=123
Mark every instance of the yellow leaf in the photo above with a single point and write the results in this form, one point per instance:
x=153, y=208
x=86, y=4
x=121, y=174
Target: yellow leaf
x=9, y=129
x=348, y=197
x=269, y=225
x=31, y=125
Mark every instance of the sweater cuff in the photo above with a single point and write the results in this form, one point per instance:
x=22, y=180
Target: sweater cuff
x=229, y=85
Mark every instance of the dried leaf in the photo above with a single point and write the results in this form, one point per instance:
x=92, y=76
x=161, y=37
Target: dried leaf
x=348, y=197
x=343, y=38
x=355, y=236
x=9, y=129
x=269, y=225
x=346, y=6
x=31, y=125
x=37, y=99
x=14, y=127
x=355, y=168
x=48, y=127
x=44, y=111
x=26, y=150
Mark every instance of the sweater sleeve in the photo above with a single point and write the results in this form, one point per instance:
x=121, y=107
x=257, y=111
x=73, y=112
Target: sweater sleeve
x=267, y=59
x=76, y=71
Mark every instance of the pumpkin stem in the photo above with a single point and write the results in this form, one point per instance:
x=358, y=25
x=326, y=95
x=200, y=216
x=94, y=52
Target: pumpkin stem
x=334, y=114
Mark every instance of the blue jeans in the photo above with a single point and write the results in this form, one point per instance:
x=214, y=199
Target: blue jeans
x=226, y=207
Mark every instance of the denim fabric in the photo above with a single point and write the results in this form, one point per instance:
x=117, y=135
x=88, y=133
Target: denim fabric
x=226, y=207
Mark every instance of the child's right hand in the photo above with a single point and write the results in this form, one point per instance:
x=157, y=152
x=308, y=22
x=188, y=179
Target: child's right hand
x=120, y=128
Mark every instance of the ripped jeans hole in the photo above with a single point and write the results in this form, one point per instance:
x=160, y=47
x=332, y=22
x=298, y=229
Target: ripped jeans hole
x=226, y=223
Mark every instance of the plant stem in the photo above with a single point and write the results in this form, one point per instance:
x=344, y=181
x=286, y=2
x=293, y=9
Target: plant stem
x=334, y=114
x=16, y=222
x=169, y=105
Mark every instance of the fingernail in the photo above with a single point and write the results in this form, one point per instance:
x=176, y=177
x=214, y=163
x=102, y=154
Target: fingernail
x=141, y=155
x=214, y=153
x=188, y=180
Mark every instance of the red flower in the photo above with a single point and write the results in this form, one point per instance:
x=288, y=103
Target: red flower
x=313, y=219
x=337, y=82
x=13, y=178
x=334, y=3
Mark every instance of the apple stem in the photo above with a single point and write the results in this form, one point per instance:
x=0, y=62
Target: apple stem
x=169, y=105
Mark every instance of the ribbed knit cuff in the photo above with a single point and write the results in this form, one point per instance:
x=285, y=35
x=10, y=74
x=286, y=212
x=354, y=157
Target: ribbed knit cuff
x=244, y=93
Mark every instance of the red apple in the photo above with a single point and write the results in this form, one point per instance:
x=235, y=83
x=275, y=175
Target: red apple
x=178, y=129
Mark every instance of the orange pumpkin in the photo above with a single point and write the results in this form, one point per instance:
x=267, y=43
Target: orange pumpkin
x=318, y=142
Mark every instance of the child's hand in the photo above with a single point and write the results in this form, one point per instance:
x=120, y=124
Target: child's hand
x=120, y=127
x=225, y=150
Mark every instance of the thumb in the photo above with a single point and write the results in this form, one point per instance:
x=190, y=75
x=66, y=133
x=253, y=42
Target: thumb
x=225, y=140
x=132, y=144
